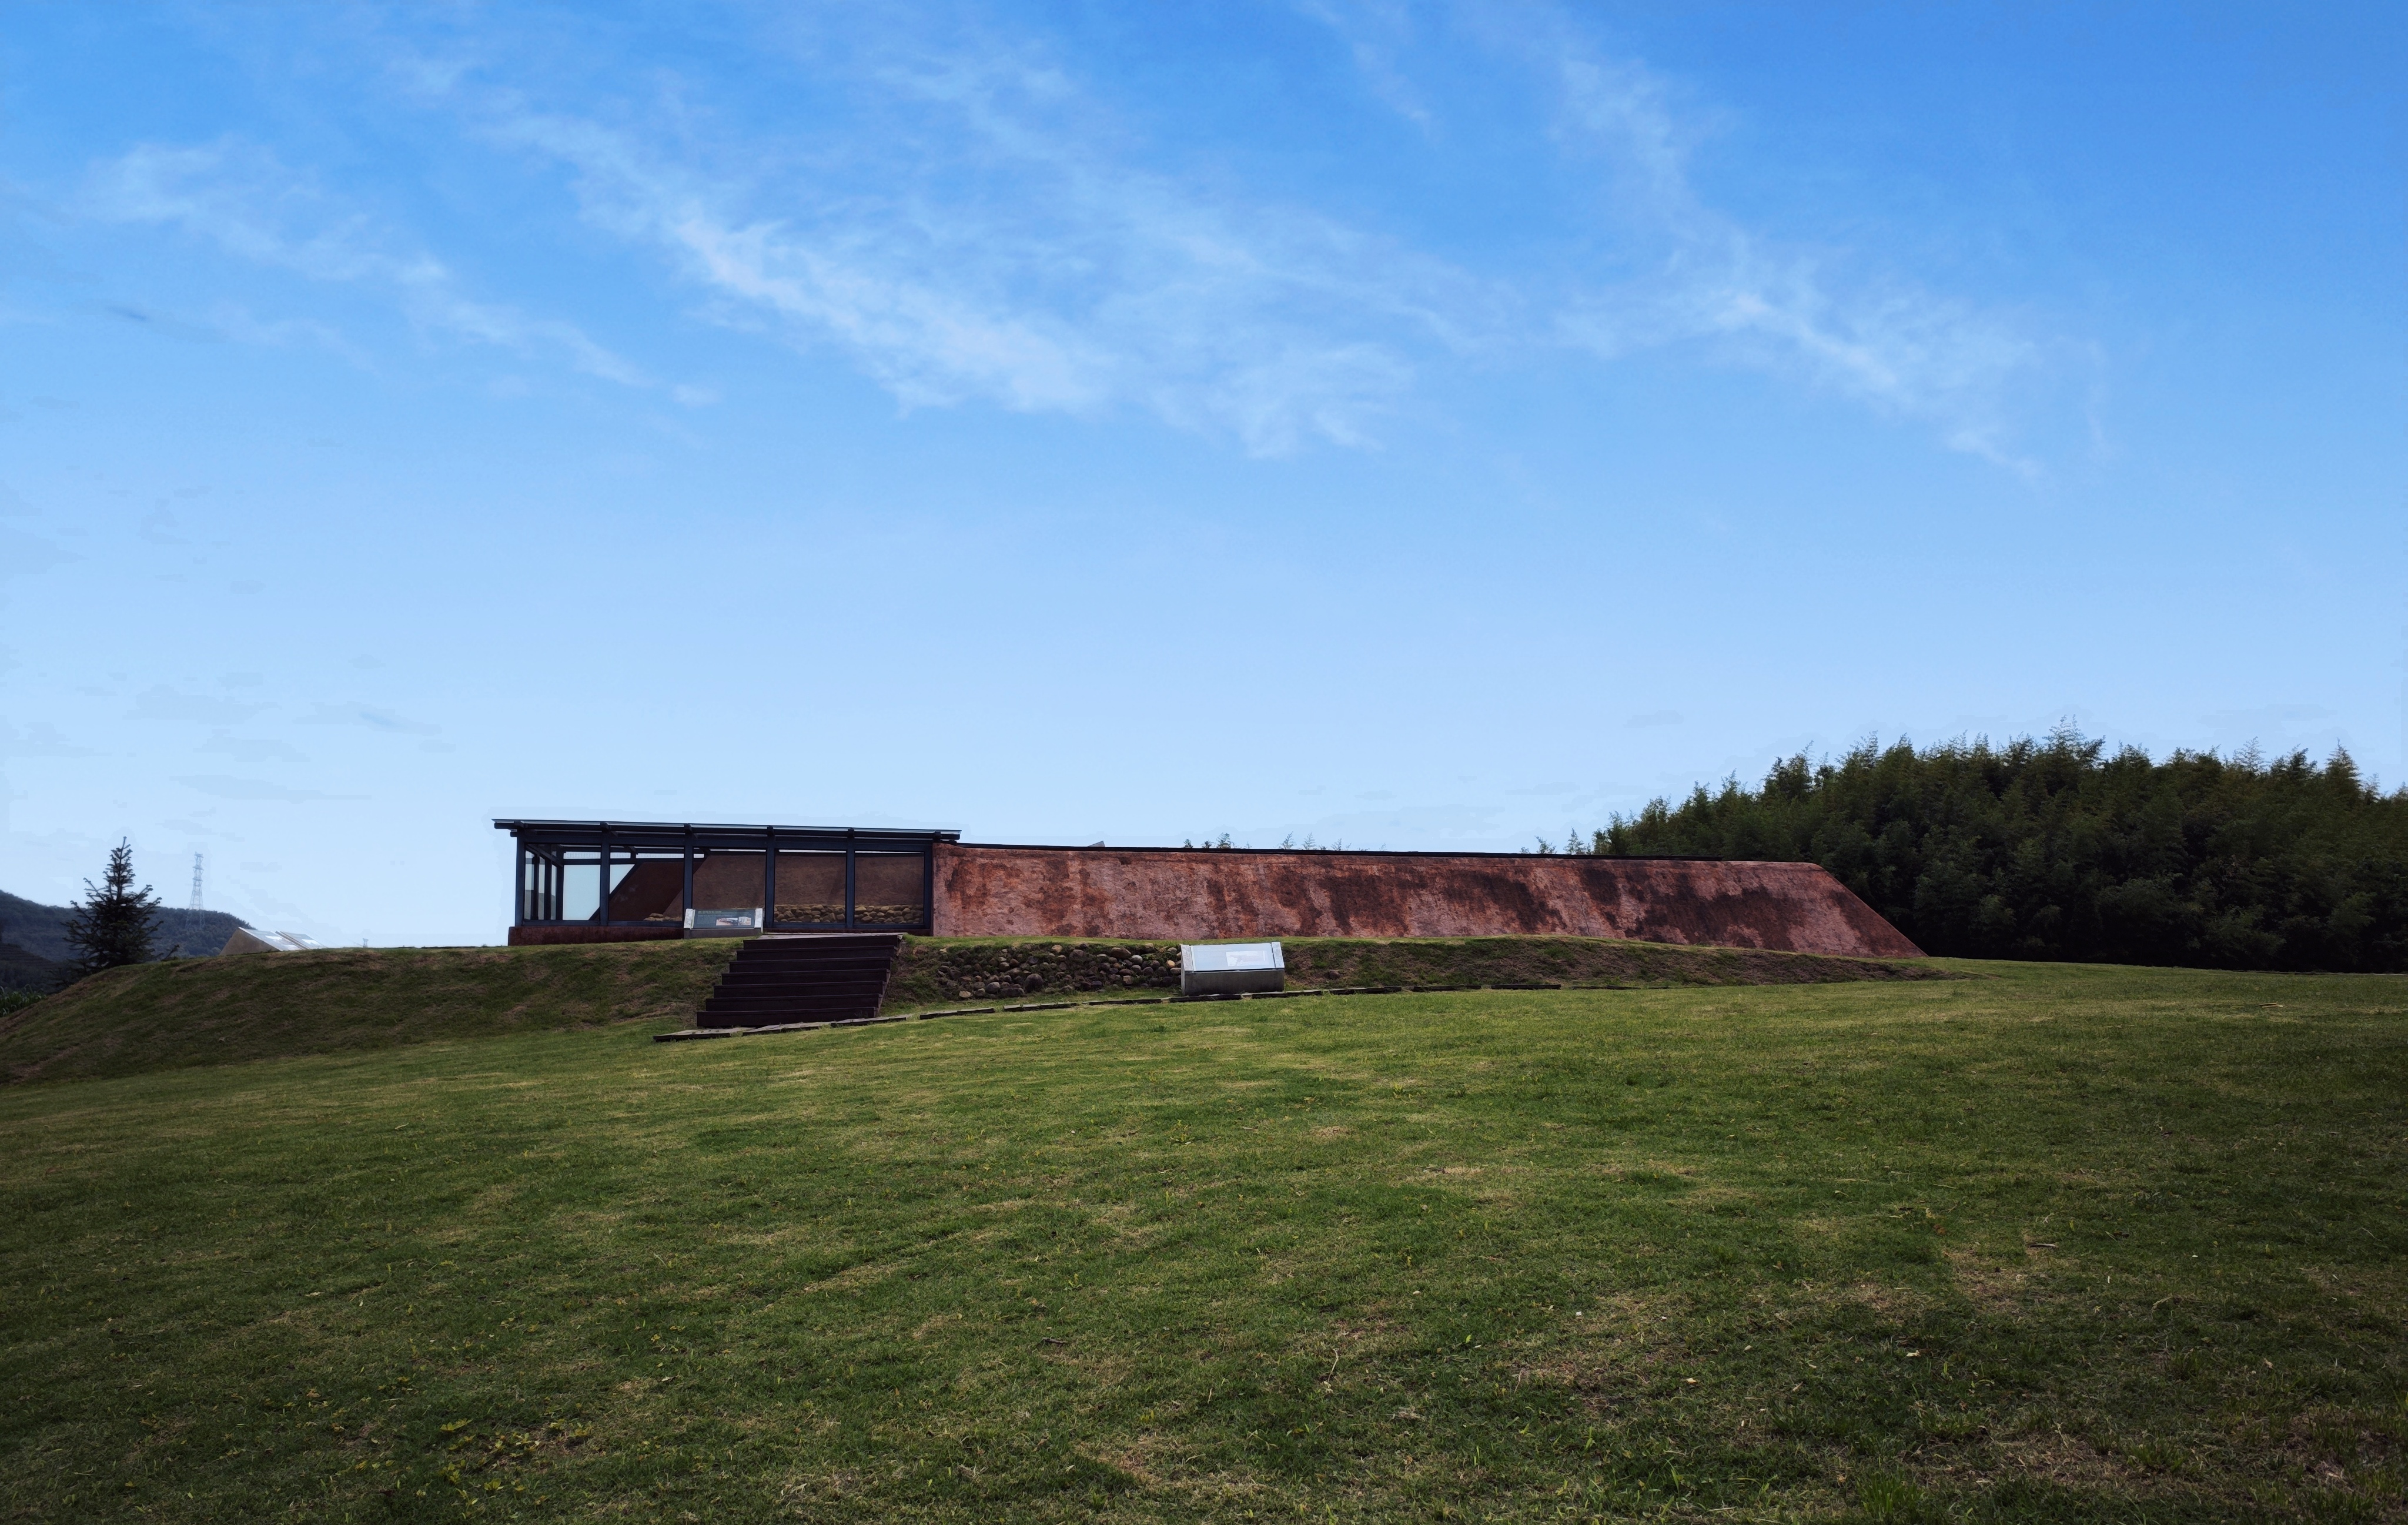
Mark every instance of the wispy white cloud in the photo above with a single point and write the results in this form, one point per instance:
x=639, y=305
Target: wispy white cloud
x=25, y=555
x=241, y=197
x=1882, y=340
x=1375, y=32
x=369, y=717
x=237, y=323
x=225, y=786
x=962, y=218
x=39, y=739
x=253, y=749
x=161, y=702
x=1089, y=284
x=1832, y=318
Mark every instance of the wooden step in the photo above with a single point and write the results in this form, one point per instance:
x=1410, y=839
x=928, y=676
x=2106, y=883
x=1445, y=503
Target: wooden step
x=813, y=977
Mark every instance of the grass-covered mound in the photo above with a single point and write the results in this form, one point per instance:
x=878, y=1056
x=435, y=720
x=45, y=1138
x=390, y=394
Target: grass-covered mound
x=224, y=1011
x=2063, y=1245
x=936, y=972
x=1475, y=961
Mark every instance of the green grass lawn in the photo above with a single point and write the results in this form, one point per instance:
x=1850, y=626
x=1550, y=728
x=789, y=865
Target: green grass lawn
x=196, y=1012
x=2050, y=1243
x=262, y=1005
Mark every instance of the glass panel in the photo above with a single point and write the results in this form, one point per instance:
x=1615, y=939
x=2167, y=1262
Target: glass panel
x=822, y=887
x=724, y=881
x=645, y=888
x=580, y=887
x=888, y=889
x=811, y=889
x=536, y=888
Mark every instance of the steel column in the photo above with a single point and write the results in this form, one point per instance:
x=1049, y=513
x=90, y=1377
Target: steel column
x=848, y=881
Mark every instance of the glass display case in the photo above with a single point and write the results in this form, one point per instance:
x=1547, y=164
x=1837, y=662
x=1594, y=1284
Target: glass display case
x=632, y=879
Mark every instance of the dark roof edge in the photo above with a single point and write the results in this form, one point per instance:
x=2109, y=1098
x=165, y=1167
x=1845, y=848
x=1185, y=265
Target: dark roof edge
x=941, y=834
x=876, y=832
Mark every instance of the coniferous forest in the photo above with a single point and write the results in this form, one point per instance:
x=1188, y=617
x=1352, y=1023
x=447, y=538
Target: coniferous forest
x=2058, y=849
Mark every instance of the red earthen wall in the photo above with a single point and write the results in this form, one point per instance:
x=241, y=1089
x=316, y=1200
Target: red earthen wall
x=1179, y=893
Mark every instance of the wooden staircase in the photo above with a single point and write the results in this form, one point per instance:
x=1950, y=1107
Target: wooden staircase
x=802, y=977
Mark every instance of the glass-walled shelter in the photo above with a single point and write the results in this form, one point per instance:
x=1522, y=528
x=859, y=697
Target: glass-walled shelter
x=636, y=879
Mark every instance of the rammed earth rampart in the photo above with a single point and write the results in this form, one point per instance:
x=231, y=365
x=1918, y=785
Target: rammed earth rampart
x=1196, y=894
x=808, y=879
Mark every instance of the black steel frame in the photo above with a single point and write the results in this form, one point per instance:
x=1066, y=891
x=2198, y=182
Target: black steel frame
x=543, y=848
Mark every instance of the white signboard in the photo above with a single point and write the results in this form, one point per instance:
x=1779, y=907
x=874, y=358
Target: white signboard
x=1228, y=969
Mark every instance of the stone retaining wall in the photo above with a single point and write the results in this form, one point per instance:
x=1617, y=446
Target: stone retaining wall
x=935, y=971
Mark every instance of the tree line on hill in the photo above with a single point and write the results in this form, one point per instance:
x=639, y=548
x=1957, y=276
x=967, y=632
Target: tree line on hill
x=45, y=947
x=2058, y=849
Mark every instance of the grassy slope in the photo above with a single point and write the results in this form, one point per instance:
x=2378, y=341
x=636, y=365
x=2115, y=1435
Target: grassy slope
x=2066, y=1243
x=209, y=1011
x=220, y=1011
x=944, y=972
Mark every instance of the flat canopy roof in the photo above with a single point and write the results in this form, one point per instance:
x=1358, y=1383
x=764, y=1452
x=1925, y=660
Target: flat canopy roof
x=675, y=834
x=678, y=833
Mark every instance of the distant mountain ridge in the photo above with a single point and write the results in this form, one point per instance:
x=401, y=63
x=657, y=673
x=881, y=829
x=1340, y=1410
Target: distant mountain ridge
x=24, y=971
x=42, y=930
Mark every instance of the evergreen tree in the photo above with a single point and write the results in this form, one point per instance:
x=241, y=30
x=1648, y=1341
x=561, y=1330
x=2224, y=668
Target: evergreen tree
x=116, y=923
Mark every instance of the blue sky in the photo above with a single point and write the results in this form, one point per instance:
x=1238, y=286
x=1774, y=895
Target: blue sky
x=1413, y=426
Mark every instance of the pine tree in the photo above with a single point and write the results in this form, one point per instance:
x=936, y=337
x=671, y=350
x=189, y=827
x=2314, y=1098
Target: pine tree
x=116, y=923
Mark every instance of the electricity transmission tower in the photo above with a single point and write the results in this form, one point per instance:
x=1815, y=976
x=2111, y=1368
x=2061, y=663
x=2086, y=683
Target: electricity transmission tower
x=196, y=880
